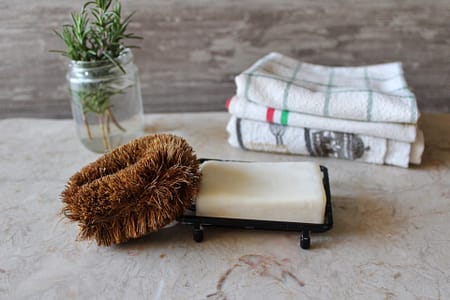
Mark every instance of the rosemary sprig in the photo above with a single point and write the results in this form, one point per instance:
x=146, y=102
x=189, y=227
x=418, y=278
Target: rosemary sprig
x=96, y=99
x=96, y=34
x=100, y=38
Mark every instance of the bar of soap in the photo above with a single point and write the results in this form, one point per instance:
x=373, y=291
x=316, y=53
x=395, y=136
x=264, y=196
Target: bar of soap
x=272, y=191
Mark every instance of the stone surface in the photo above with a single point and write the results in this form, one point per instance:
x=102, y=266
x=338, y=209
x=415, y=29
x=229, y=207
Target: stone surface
x=390, y=240
x=192, y=49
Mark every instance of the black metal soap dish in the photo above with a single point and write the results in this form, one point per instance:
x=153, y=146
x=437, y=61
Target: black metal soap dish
x=305, y=229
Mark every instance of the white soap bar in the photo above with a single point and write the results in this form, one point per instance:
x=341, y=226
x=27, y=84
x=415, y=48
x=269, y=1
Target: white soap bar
x=273, y=191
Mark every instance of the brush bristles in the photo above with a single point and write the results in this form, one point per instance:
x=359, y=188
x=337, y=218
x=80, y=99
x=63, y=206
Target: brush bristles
x=135, y=189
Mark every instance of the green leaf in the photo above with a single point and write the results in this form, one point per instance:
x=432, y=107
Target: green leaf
x=87, y=4
x=96, y=33
x=114, y=62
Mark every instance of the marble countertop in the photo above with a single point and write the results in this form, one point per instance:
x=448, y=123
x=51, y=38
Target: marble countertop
x=391, y=238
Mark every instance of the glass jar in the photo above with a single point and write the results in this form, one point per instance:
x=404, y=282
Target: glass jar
x=106, y=102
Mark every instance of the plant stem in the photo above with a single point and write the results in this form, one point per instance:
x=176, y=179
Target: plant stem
x=113, y=118
x=108, y=121
x=88, y=129
x=108, y=138
x=105, y=139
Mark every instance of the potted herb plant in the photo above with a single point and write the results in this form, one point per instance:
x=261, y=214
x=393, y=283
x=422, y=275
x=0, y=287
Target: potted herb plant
x=103, y=80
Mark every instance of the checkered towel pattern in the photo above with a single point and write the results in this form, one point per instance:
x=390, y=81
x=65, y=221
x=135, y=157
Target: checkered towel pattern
x=365, y=114
x=376, y=93
x=245, y=109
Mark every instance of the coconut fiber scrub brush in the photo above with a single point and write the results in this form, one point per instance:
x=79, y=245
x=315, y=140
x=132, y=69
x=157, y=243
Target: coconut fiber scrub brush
x=133, y=190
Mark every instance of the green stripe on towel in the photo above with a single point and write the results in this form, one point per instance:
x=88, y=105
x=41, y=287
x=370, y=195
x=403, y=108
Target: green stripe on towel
x=413, y=109
x=251, y=74
x=369, y=95
x=284, y=117
x=354, y=90
x=288, y=85
x=328, y=93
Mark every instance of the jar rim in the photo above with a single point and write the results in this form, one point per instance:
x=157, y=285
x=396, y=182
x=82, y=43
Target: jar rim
x=124, y=57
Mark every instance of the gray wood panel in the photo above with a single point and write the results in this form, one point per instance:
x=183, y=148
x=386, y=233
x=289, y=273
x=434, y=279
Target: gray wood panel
x=193, y=48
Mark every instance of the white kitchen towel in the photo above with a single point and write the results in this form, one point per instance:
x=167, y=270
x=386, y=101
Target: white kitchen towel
x=377, y=93
x=417, y=149
x=263, y=136
x=245, y=109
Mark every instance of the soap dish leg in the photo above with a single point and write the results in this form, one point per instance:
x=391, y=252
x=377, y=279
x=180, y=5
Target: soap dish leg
x=305, y=239
x=197, y=233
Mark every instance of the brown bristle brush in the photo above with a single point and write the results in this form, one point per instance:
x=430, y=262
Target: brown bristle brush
x=133, y=190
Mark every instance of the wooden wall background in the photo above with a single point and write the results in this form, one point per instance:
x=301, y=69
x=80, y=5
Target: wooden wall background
x=193, y=48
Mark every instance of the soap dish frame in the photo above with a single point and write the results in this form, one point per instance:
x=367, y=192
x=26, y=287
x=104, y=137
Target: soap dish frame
x=305, y=229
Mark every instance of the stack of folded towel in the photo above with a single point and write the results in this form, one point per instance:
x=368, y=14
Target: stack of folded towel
x=364, y=113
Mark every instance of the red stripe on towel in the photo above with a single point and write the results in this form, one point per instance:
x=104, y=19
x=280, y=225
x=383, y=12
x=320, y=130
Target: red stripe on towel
x=227, y=104
x=269, y=114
